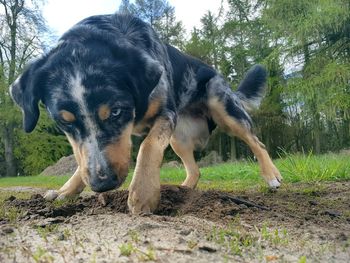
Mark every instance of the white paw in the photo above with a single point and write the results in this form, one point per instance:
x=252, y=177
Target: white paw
x=51, y=195
x=274, y=183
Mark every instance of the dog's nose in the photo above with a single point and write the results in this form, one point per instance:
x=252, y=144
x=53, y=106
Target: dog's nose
x=103, y=182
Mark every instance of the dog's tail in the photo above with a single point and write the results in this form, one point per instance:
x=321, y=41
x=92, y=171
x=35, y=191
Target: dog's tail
x=251, y=89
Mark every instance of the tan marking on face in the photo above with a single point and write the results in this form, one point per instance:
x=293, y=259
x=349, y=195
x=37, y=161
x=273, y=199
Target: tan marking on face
x=104, y=112
x=118, y=153
x=67, y=116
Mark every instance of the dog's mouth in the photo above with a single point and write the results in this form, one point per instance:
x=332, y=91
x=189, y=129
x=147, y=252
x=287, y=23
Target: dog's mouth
x=108, y=178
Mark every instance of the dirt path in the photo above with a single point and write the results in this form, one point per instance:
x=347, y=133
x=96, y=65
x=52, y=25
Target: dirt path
x=299, y=223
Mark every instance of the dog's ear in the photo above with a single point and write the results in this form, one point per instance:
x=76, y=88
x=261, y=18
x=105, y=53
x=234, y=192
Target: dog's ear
x=149, y=75
x=142, y=74
x=26, y=91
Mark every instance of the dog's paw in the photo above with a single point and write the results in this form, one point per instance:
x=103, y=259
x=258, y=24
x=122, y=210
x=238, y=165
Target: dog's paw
x=143, y=201
x=191, y=182
x=273, y=178
x=51, y=195
x=276, y=181
x=274, y=184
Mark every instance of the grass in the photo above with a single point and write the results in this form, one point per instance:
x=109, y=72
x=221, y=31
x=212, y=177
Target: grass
x=228, y=176
x=12, y=213
x=237, y=240
x=39, y=181
x=129, y=248
x=310, y=168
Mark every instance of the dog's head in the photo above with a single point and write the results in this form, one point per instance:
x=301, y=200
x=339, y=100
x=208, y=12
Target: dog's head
x=93, y=90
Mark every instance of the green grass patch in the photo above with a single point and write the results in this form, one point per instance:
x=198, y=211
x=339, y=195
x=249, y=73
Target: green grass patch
x=40, y=181
x=235, y=176
x=11, y=213
x=311, y=168
x=237, y=240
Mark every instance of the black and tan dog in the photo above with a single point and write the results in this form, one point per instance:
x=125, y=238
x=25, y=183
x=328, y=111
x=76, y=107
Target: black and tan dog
x=110, y=77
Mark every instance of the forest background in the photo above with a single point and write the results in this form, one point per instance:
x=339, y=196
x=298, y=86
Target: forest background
x=305, y=46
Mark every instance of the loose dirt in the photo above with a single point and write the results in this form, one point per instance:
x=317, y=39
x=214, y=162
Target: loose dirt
x=298, y=222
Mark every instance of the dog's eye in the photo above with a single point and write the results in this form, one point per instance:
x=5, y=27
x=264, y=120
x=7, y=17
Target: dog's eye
x=115, y=113
x=66, y=124
x=69, y=125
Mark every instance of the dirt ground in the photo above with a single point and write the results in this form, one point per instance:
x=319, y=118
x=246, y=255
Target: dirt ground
x=298, y=223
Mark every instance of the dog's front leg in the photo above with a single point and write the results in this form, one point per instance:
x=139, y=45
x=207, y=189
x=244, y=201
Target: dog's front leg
x=75, y=185
x=72, y=187
x=144, y=190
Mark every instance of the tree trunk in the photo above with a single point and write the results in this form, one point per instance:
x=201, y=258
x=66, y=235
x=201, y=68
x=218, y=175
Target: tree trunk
x=9, y=156
x=317, y=133
x=220, y=144
x=233, y=151
x=317, y=142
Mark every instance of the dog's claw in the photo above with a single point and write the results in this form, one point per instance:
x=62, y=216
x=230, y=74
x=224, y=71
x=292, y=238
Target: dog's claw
x=51, y=195
x=275, y=183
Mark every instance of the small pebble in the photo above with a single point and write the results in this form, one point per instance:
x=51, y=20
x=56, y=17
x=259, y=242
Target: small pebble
x=207, y=248
x=243, y=206
x=186, y=232
x=102, y=199
x=333, y=213
x=98, y=249
x=8, y=230
x=61, y=237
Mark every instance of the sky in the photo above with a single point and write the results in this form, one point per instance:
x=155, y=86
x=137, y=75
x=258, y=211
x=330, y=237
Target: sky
x=63, y=14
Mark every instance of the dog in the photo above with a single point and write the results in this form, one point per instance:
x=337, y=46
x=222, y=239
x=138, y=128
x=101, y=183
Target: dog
x=109, y=77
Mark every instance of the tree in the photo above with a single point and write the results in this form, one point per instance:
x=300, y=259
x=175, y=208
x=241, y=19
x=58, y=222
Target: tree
x=20, y=27
x=170, y=30
x=149, y=11
x=22, y=32
x=248, y=41
x=315, y=34
x=125, y=7
x=160, y=15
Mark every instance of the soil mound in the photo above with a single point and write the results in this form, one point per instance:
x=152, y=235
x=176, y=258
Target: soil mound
x=322, y=207
x=65, y=166
x=175, y=200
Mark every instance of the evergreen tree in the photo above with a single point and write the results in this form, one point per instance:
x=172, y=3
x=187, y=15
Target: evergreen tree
x=315, y=34
x=170, y=30
x=160, y=15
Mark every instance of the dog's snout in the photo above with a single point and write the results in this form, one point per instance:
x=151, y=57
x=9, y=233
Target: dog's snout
x=103, y=182
x=99, y=170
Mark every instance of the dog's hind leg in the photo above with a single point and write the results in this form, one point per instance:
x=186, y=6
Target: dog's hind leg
x=185, y=152
x=191, y=133
x=227, y=110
